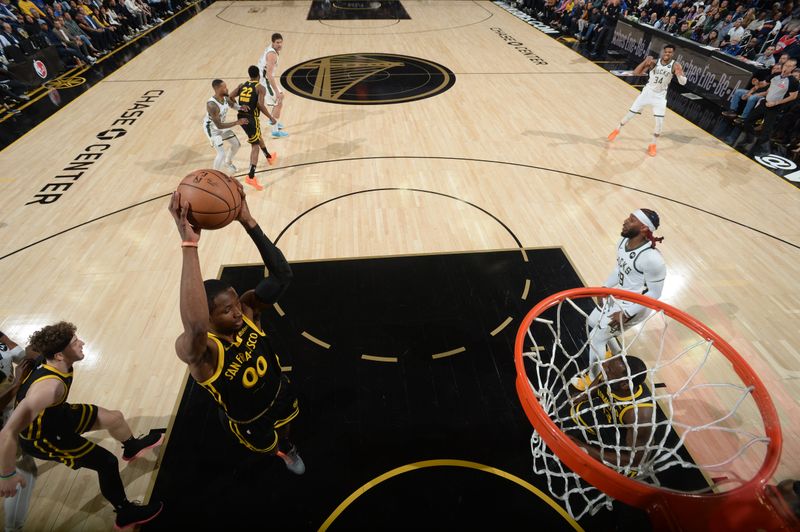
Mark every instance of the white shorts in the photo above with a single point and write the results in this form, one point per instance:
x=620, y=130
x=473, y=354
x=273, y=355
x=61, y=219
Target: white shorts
x=597, y=319
x=270, y=97
x=656, y=100
x=217, y=136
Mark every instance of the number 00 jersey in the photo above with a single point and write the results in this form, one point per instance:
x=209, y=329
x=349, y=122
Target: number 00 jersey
x=248, y=374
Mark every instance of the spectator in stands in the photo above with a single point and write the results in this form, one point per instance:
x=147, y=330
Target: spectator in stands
x=64, y=51
x=710, y=39
x=712, y=21
x=757, y=83
x=29, y=8
x=673, y=25
x=653, y=19
x=685, y=31
x=34, y=33
x=725, y=25
x=662, y=23
x=786, y=41
x=756, y=25
x=734, y=35
x=97, y=34
x=608, y=21
x=8, y=13
x=75, y=31
x=10, y=43
x=69, y=41
x=129, y=22
x=748, y=17
x=781, y=91
x=767, y=58
x=137, y=13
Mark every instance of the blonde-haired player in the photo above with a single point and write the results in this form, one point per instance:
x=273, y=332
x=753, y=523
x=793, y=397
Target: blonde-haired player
x=268, y=67
x=654, y=93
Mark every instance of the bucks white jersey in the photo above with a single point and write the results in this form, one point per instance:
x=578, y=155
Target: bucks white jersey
x=262, y=63
x=208, y=125
x=634, y=266
x=660, y=76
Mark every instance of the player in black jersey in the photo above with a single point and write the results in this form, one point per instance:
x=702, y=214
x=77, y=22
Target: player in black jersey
x=227, y=351
x=251, y=103
x=49, y=428
x=616, y=414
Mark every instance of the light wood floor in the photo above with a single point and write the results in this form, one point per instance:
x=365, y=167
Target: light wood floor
x=731, y=227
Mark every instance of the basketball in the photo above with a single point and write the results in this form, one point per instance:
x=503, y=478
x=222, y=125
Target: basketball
x=213, y=198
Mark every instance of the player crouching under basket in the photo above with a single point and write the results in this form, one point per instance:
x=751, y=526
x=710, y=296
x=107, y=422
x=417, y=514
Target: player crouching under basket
x=614, y=417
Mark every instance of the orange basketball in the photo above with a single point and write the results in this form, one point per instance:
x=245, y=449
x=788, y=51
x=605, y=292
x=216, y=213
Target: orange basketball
x=213, y=198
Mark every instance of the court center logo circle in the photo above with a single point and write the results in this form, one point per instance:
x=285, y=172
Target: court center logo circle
x=368, y=79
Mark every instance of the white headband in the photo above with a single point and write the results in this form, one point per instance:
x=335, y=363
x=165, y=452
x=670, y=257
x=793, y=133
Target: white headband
x=642, y=217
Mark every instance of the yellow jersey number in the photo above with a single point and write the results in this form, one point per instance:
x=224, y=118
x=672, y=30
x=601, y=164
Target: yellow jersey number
x=246, y=93
x=251, y=375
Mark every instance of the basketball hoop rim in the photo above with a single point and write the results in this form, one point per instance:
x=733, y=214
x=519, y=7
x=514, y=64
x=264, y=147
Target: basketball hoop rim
x=606, y=479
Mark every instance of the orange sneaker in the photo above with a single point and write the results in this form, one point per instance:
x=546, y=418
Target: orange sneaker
x=273, y=158
x=613, y=135
x=651, y=150
x=253, y=182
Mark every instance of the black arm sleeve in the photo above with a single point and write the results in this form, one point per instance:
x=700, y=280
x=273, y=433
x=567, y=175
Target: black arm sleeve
x=280, y=273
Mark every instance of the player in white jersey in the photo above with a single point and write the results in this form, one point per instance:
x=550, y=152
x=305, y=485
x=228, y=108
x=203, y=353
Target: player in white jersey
x=217, y=130
x=640, y=268
x=16, y=507
x=268, y=67
x=654, y=93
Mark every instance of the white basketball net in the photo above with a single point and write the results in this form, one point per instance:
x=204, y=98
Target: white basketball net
x=552, y=365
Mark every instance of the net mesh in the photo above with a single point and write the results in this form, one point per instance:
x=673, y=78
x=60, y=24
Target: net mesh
x=642, y=433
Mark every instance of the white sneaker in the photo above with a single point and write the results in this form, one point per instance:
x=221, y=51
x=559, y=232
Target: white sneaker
x=293, y=461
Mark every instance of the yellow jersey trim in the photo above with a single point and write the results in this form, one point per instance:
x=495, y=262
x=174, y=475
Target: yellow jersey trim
x=253, y=325
x=220, y=361
x=54, y=370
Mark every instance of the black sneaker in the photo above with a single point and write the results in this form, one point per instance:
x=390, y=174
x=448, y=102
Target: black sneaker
x=137, y=447
x=137, y=514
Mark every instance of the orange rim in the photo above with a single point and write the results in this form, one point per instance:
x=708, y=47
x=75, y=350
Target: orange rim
x=606, y=479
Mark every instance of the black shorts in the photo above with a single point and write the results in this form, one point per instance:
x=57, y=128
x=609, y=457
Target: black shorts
x=66, y=445
x=252, y=128
x=260, y=435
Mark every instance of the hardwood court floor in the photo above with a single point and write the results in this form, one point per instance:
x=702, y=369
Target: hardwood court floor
x=523, y=141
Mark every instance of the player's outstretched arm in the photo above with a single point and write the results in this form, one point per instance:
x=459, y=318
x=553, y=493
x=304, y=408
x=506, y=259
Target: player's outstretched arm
x=192, y=344
x=42, y=394
x=280, y=276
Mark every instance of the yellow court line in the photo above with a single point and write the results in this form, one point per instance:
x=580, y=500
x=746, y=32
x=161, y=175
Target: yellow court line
x=279, y=310
x=286, y=369
x=449, y=463
x=524, y=254
x=525, y=290
x=316, y=340
x=449, y=353
x=378, y=358
x=502, y=326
